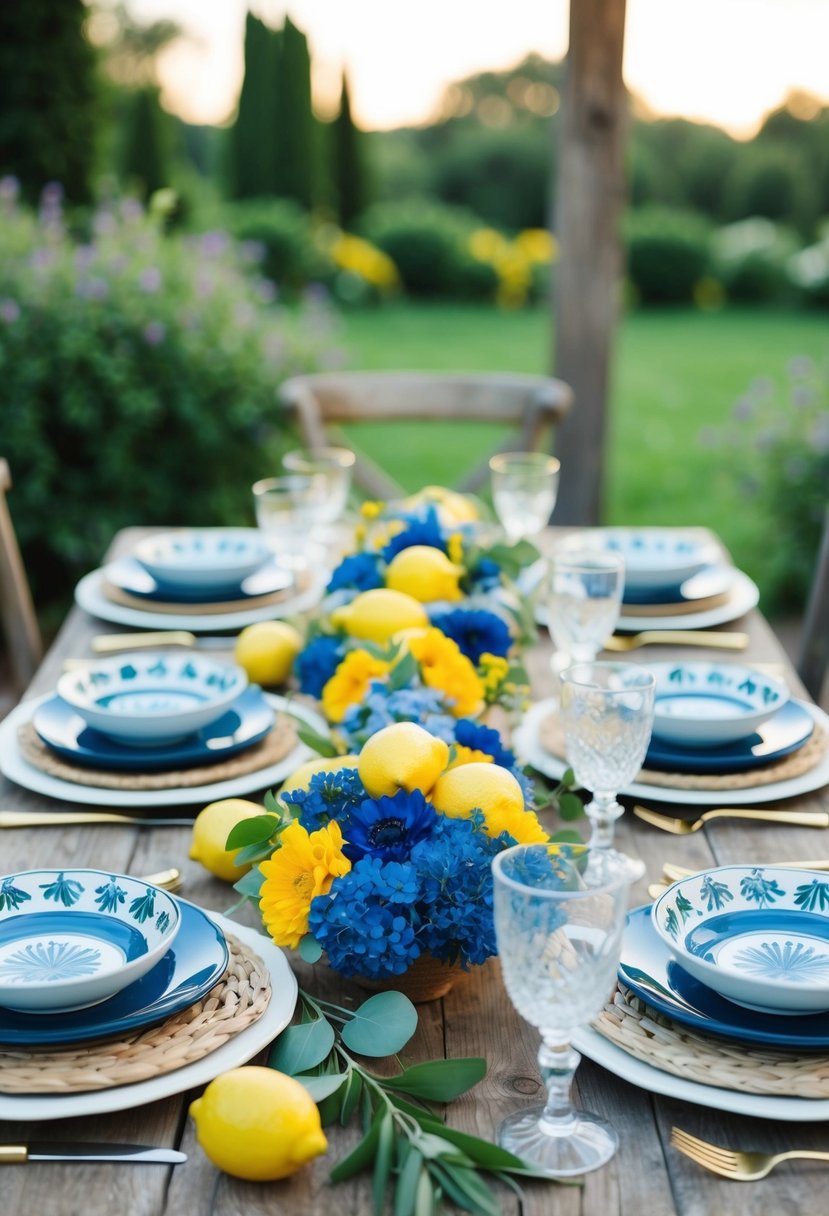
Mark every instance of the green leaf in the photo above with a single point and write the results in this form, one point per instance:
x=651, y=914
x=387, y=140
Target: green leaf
x=402, y=674
x=485, y=1154
x=466, y=1188
x=382, y=1162
x=570, y=807
x=569, y=778
x=310, y=951
x=256, y=830
x=381, y=1026
x=351, y=1097
x=566, y=836
x=253, y=853
x=318, y=743
x=406, y=1190
x=271, y=803
x=323, y=1087
x=360, y=1157
x=440, y=1080
x=425, y=1198
x=301, y=1048
x=249, y=884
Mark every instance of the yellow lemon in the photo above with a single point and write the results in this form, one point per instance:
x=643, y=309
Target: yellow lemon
x=267, y=651
x=494, y=791
x=211, y=828
x=257, y=1123
x=425, y=573
x=379, y=614
x=402, y=756
x=300, y=779
x=452, y=507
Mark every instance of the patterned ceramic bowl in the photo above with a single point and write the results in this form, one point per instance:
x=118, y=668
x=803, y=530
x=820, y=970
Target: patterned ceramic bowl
x=205, y=559
x=656, y=557
x=758, y=935
x=711, y=704
x=152, y=698
x=73, y=938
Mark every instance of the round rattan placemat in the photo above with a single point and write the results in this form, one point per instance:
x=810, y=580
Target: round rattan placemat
x=650, y=1036
x=795, y=764
x=684, y=608
x=117, y=596
x=281, y=739
x=238, y=1000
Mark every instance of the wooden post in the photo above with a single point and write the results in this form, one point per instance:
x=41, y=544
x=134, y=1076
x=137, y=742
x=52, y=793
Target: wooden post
x=588, y=202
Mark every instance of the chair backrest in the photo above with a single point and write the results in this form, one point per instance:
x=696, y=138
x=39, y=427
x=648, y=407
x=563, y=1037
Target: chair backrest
x=529, y=404
x=17, y=614
x=813, y=660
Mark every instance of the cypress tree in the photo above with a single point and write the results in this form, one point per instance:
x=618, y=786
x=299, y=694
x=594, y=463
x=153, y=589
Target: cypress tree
x=293, y=117
x=253, y=153
x=145, y=160
x=349, y=168
x=47, y=96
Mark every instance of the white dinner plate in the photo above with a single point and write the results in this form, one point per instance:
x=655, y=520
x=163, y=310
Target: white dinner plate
x=238, y=1050
x=527, y=743
x=17, y=769
x=762, y=1106
x=89, y=595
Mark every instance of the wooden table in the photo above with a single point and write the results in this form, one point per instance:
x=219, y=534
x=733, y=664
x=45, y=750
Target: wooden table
x=647, y=1176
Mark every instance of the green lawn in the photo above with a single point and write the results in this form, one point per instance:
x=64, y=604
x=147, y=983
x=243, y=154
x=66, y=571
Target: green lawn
x=676, y=372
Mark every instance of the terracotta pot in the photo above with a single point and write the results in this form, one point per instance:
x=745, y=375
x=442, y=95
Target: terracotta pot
x=427, y=979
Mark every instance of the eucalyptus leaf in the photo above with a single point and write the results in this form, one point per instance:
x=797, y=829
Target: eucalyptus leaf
x=382, y=1163
x=485, y=1154
x=249, y=884
x=570, y=807
x=318, y=743
x=406, y=1190
x=255, y=830
x=323, y=1087
x=360, y=1158
x=402, y=673
x=466, y=1189
x=440, y=1080
x=310, y=951
x=301, y=1048
x=351, y=1096
x=381, y=1026
x=425, y=1198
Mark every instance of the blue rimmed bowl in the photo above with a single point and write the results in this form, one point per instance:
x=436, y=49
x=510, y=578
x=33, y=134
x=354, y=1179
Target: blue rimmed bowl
x=757, y=935
x=152, y=698
x=72, y=938
x=657, y=557
x=203, y=559
x=701, y=704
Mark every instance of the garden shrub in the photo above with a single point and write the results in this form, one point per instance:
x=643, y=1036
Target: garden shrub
x=667, y=254
x=290, y=257
x=749, y=259
x=138, y=377
x=808, y=271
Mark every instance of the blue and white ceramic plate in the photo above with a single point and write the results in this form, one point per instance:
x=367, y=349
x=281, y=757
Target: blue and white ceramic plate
x=248, y=720
x=703, y=704
x=152, y=698
x=649, y=969
x=657, y=557
x=193, y=964
x=71, y=938
x=129, y=575
x=784, y=732
x=710, y=581
x=757, y=935
x=207, y=559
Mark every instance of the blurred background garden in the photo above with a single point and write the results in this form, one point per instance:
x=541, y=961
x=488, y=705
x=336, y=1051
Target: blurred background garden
x=160, y=277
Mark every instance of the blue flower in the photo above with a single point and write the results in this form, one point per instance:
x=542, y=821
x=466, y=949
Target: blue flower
x=421, y=529
x=454, y=868
x=484, y=739
x=486, y=575
x=476, y=631
x=366, y=924
x=329, y=796
x=316, y=664
x=388, y=828
x=425, y=706
x=360, y=571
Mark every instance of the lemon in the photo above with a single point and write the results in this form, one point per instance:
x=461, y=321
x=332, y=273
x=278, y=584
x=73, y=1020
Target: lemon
x=211, y=829
x=492, y=789
x=300, y=779
x=267, y=651
x=452, y=507
x=402, y=756
x=378, y=614
x=425, y=573
x=257, y=1123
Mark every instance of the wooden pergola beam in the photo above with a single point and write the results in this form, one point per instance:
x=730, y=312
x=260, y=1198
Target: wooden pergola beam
x=590, y=191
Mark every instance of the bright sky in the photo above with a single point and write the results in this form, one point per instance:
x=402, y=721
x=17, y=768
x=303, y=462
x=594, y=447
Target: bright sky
x=723, y=61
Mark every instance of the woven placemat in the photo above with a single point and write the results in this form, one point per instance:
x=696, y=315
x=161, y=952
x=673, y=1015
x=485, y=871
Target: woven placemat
x=650, y=1036
x=681, y=609
x=795, y=764
x=238, y=1000
x=280, y=740
x=118, y=596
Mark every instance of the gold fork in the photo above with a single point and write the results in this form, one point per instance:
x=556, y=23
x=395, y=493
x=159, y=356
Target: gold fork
x=728, y=1163
x=677, y=637
x=684, y=827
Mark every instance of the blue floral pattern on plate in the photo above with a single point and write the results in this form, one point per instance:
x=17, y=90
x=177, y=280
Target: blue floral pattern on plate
x=708, y=704
x=50, y=961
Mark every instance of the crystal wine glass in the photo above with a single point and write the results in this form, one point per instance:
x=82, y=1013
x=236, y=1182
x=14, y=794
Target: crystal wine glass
x=584, y=598
x=287, y=508
x=524, y=490
x=607, y=717
x=335, y=466
x=559, y=937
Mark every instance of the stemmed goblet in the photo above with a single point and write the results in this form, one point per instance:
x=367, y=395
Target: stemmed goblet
x=286, y=510
x=559, y=937
x=334, y=467
x=584, y=599
x=524, y=491
x=607, y=717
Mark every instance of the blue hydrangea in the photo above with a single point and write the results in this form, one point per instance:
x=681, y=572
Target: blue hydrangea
x=476, y=631
x=389, y=828
x=360, y=571
x=367, y=924
x=421, y=529
x=316, y=664
x=329, y=796
x=382, y=706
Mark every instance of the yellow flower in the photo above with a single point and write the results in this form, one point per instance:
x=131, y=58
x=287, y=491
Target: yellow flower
x=445, y=667
x=467, y=755
x=350, y=683
x=370, y=510
x=523, y=826
x=537, y=245
x=493, y=669
x=360, y=257
x=304, y=866
x=455, y=547
x=487, y=245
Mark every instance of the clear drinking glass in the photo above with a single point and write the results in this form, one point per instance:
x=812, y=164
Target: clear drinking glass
x=524, y=490
x=584, y=598
x=559, y=937
x=335, y=466
x=607, y=717
x=287, y=509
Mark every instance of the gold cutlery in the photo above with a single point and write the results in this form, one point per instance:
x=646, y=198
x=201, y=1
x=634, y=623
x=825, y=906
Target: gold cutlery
x=170, y=880
x=45, y=819
x=42, y=1150
x=677, y=637
x=684, y=827
x=730, y=1163
x=111, y=643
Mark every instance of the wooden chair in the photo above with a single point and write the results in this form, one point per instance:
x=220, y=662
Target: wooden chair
x=20, y=625
x=813, y=659
x=529, y=404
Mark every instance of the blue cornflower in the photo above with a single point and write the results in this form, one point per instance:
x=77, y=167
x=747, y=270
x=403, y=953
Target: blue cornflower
x=360, y=572
x=367, y=922
x=329, y=796
x=316, y=664
x=484, y=739
x=476, y=631
x=421, y=529
x=486, y=575
x=388, y=828
x=454, y=867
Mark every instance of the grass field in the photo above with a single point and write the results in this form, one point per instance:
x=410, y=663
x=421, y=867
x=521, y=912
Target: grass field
x=676, y=372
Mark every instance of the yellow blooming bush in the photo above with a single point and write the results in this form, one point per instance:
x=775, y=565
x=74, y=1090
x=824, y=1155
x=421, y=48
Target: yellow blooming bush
x=516, y=261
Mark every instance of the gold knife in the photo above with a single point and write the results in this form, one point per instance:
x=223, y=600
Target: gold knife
x=47, y=819
x=111, y=643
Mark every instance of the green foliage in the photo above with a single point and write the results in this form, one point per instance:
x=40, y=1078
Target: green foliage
x=504, y=176
x=808, y=271
x=252, y=149
x=293, y=121
x=773, y=180
x=145, y=150
x=290, y=256
x=750, y=258
x=138, y=377
x=48, y=121
x=349, y=163
x=667, y=253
